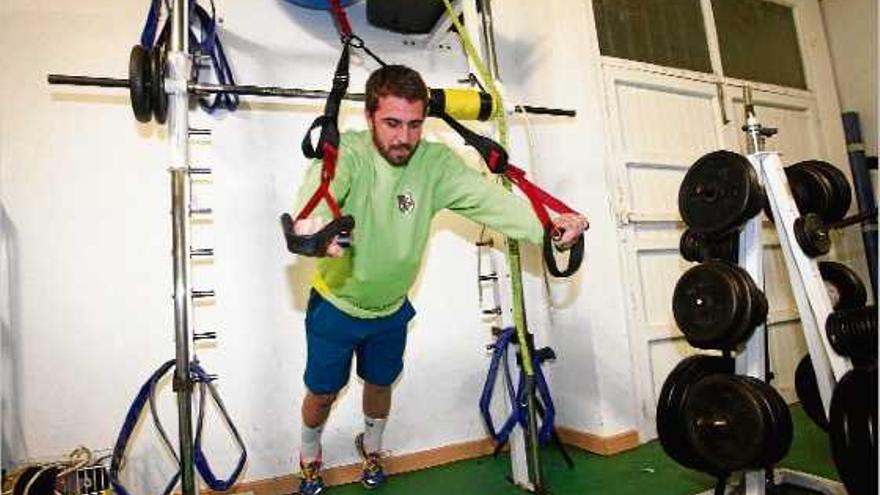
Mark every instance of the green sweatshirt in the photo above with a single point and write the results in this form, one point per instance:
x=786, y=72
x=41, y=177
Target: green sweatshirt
x=392, y=208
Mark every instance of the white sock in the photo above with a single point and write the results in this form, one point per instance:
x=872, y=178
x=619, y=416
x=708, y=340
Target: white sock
x=310, y=448
x=373, y=428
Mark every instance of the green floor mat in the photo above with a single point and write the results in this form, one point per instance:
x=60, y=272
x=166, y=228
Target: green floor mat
x=642, y=471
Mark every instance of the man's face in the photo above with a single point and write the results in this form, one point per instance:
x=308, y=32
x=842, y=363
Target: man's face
x=396, y=126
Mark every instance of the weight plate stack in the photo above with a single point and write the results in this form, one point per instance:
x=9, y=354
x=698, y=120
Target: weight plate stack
x=844, y=286
x=139, y=80
x=737, y=422
x=158, y=97
x=719, y=193
x=853, y=333
x=671, y=427
x=717, y=305
x=841, y=193
x=853, y=430
x=699, y=248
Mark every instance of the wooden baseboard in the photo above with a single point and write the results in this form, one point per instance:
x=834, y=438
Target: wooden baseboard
x=435, y=457
x=598, y=444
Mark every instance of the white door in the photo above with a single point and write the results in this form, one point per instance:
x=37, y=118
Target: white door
x=662, y=119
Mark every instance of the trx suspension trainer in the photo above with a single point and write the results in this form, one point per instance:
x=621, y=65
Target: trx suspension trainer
x=492, y=153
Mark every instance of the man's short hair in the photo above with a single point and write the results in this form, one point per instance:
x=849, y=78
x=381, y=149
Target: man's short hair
x=395, y=80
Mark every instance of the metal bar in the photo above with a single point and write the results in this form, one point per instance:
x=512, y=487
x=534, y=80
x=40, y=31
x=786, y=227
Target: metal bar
x=863, y=217
x=104, y=82
x=545, y=111
x=269, y=91
x=179, y=63
x=864, y=191
x=753, y=360
x=198, y=88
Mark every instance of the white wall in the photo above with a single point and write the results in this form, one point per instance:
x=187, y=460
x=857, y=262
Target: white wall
x=84, y=192
x=556, y=63
x=851, y=26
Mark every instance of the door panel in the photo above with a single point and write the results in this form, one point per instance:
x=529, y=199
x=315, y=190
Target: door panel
x=661, y=125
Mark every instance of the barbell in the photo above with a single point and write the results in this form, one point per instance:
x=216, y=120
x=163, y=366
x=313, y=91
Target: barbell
x=146, y=85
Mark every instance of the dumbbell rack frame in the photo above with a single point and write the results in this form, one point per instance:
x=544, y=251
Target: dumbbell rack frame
x=813, y=303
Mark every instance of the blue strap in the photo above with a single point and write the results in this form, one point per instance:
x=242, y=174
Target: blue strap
x=200, y=459
x=206, y=42
x=148, y=34
x=519, y=414
x=499, y=351
x=543, y=392
x=209, y=44
x=131, y=420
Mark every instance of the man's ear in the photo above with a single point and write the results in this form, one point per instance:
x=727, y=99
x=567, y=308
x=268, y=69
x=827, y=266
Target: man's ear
x=368, y=115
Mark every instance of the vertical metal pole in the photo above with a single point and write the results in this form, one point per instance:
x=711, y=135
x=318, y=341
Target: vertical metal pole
x=864, y=192
x=753, y=360
x=519, y=314
x=179, y=64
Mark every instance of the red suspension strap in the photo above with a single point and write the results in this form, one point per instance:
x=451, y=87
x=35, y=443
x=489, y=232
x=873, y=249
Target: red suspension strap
x=341, y=19
x=327, y=149
x=496, y=159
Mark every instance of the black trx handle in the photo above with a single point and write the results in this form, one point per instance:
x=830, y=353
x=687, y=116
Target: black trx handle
x=575, y=255
x=316, y=244
x=328, y=121
x=493, y=154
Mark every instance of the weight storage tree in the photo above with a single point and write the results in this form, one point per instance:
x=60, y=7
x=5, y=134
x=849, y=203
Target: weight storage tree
x=718, y=414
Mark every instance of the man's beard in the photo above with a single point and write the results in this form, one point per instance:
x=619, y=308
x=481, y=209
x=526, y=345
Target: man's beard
x=397, y=161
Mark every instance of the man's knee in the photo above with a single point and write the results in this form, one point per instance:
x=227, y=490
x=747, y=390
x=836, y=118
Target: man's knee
x=373, y=389
x=321, y=401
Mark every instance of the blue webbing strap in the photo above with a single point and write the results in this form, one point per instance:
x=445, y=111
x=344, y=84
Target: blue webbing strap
x=131, y=420
x=519, y=413
x=207, y=42
x=145, y=395
x=148, y=34
x=201, y=461
x=210, y=45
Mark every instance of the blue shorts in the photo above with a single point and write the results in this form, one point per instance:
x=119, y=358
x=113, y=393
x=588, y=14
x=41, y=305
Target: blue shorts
x=333, y=337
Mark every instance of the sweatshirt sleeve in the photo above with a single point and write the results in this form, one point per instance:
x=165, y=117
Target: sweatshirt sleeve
x=467, y=192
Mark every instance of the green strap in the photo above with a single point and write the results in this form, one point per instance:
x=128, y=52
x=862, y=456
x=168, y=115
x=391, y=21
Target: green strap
x=513, y=253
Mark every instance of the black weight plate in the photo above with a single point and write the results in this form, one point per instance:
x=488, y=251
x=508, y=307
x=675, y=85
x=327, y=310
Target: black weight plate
x=726, y=423
x=711, y=304
x=717, y=193
x=139, y=83
x=758, y=303
x=699, y=248
x=842, y=193
x=780, y=432
x=754, y=308
x=692, y=246
x=853, y=430
x=670, y=405
x=811, y=235
x=807, y=389
x=845, y=287
x=853, y=333
x=813, y=192
x=157, y=85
